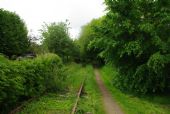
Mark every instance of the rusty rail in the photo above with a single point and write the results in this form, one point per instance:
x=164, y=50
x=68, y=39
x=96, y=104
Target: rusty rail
x=78, y=97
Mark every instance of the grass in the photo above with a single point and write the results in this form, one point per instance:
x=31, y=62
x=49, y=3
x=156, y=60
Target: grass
x=91, y=99
x=62, y=103
x=50, y=104
x=132, y=104
x=75, y=76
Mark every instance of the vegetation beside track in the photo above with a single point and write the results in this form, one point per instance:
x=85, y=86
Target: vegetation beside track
x=133, y=104
x=58, y=103
x=27, y=79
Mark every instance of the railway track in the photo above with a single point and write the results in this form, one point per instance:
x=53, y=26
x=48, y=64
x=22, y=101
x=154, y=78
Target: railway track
x=78, y=97
x=73, y=111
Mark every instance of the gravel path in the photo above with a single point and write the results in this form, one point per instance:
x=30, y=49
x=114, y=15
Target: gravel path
x=110, y=105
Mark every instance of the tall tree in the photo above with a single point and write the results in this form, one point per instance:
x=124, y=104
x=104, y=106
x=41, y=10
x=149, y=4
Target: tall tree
x=135, y=36
x=87, y=35
x=57, y=40
x=13, y=34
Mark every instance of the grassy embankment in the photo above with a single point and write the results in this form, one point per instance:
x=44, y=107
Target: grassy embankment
x=62, y=103
x=151, y=104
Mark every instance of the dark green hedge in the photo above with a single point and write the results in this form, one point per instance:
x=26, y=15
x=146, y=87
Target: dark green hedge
x=21, y=80
x=13, y=34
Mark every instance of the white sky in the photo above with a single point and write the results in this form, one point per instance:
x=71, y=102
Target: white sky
x=35, y=12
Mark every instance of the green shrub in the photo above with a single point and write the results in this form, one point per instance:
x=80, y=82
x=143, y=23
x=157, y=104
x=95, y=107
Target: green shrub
x=20, y=80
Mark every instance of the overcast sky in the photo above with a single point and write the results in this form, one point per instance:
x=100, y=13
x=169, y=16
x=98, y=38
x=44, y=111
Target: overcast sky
x=35, y=12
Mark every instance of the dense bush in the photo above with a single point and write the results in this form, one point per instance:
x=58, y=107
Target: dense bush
x=20, y=80
x=13, y=34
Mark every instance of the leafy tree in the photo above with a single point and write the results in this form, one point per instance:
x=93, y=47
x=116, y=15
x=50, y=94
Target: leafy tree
x=88, y=34
x=57, y=40
x=135, y=36
x=76, y=51
x=35, y=45
x=37, y=48
x=13, y=34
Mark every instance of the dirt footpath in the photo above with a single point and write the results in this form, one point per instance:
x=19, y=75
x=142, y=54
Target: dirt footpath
x=110, y=105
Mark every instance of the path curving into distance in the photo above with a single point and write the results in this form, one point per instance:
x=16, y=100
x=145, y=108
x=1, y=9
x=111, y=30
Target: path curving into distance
x=110, y=106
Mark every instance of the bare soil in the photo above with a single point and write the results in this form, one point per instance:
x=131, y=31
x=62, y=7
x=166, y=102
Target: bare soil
x=110, y=106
